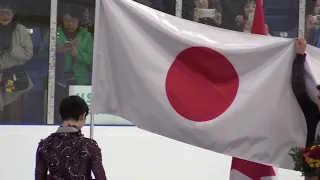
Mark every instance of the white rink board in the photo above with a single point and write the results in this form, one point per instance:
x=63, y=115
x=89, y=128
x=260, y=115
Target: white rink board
x=85, y=93
x=128, y=154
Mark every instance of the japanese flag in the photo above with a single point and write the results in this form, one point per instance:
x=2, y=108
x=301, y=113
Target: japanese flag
x=225, y=91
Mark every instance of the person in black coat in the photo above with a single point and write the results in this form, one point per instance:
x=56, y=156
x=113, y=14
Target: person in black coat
x=309, y=108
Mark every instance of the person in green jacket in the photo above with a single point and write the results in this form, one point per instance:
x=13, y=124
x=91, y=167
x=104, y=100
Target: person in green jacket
x=74, y=50
x=73, y=55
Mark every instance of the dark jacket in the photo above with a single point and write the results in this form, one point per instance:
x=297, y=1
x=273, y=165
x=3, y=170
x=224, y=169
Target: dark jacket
x=67, y=154
x=308, y=107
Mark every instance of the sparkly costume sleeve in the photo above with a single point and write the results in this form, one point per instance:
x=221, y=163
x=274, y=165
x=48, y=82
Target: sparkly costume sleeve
x=96, y=161
x=41, y=167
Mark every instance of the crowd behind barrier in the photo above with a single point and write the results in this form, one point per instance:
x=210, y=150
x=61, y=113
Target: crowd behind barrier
x=74, y=43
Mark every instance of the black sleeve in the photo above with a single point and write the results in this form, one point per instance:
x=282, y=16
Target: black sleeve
x=299, y=85
x=298, y=73
x=308, y=107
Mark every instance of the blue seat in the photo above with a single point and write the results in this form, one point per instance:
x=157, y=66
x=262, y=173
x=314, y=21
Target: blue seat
x=280, y=23
x=277, y=7
x=276, y=23
x=34, y=104
x=286, y=34
x=37, y=64
x=37, y=80
x=36, y=38
x=33, y=108
x=282, y=17
x=279, y=4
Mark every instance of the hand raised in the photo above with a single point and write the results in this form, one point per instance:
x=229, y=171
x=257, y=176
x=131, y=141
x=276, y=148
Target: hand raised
x=300, y=45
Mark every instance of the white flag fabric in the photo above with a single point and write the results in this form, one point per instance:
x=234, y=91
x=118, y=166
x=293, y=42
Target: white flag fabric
x=246, y=170
x=224, y=91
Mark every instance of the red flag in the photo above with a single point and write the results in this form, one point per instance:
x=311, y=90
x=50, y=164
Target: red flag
x=246, y=170
x=259, y=26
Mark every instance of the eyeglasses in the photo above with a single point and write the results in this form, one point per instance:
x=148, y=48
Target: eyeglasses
x=7, y=12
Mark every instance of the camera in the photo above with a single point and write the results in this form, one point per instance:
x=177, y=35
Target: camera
x=206, y=13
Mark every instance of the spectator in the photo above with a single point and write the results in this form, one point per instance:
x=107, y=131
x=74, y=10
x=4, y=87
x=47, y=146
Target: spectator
x=244, y=22
x=215, y=20
x=67, y=154
x=15, y=49
x=88, y=20
x=312, y=26
x=74, y=49
x=74, y=53
x=309, y=108
x=231, y=8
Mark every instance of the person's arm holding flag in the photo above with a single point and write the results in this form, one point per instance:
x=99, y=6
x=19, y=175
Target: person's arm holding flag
x=309, y=108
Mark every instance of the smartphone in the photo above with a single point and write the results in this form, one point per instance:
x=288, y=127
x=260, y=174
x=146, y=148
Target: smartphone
x=316, y=19
x=68, y=43
x=251, y=16
x=206, y=13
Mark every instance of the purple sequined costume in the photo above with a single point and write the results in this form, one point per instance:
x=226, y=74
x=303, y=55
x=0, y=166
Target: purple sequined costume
x=68, y=155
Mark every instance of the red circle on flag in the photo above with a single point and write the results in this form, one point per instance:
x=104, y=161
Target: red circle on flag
x=201, y=84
